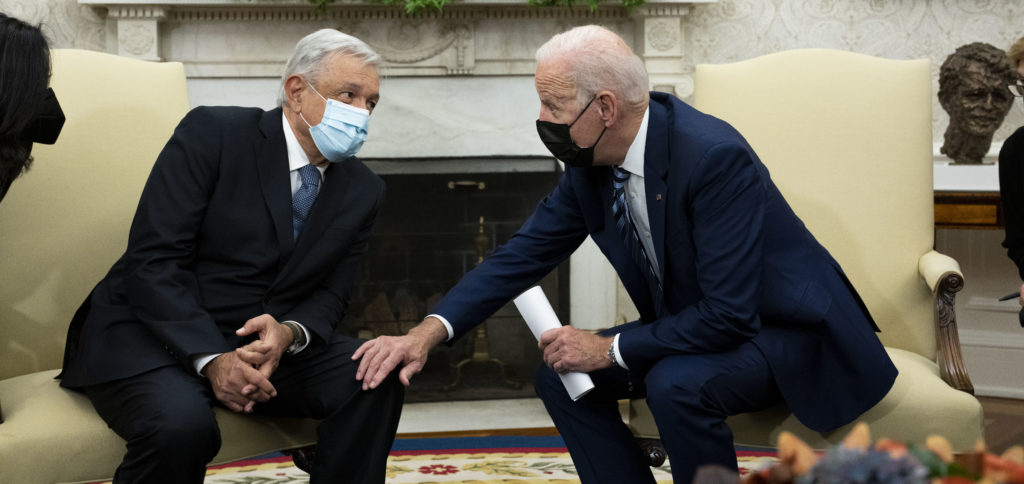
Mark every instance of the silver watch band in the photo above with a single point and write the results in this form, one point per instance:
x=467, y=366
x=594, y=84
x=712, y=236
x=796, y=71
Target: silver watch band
x=611, y=354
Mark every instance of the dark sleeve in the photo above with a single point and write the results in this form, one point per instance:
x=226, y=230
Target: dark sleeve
x=728, y=209
x=159, y=282
x=5, y=184
x=1011, y=192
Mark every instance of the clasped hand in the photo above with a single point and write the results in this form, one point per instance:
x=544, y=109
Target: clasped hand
x=242, y=377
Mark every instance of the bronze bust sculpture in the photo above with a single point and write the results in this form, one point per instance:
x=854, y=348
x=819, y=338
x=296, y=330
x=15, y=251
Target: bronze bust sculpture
x=973, y=90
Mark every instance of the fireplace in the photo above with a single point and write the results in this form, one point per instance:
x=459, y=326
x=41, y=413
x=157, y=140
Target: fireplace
x=432, y=229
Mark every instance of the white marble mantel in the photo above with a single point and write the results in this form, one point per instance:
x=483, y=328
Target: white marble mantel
x=457, y=83
x=246, y=38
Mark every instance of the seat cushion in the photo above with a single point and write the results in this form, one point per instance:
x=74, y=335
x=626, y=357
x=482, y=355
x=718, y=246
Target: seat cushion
x=51, y=434
x=919, y=404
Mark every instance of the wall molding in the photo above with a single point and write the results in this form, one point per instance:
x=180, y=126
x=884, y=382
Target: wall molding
x=1008, y=340
x=467, y=38
x=992, y=359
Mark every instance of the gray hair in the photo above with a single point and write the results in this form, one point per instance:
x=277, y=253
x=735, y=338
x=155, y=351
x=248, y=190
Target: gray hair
x=599, y=59
x=311, y=52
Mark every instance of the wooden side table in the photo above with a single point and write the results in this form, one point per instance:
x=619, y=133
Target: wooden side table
x=968, y=210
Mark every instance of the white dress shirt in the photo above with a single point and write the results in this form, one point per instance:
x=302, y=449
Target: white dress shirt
x=636, y=200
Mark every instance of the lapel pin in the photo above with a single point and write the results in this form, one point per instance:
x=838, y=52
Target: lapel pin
x=657, y=197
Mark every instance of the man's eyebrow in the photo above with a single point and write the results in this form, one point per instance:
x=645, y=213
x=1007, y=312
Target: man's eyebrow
x=349, y=86
x=553, y=102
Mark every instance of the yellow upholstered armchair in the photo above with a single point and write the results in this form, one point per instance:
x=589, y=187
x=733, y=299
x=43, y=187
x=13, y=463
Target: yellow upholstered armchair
x=63, y=225
x=848, y=140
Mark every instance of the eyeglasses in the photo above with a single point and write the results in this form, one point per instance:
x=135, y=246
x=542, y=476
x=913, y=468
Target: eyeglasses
x=1017, y=88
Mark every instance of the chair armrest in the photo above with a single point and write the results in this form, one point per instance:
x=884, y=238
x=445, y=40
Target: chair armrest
x=935, y=267
x=942, y=273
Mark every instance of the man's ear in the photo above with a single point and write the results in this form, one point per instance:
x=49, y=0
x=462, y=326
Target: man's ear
x=608, y=106
x=294, y=89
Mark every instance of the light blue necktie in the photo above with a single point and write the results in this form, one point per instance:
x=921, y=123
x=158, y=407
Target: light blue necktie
x=631, y=239
x=304, y=197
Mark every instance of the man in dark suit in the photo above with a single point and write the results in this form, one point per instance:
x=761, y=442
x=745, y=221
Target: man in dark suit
x=740, y=308
x=238, y=268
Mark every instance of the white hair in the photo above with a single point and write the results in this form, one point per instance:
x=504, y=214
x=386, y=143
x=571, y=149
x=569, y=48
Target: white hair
x=311, y=52
x=599, y=59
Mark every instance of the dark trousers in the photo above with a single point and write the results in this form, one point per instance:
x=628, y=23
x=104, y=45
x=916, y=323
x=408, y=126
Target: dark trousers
x=166, y=418
x=689, y=395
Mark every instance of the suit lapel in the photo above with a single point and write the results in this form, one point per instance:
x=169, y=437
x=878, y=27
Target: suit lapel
x=655, y=172
x=272, y=166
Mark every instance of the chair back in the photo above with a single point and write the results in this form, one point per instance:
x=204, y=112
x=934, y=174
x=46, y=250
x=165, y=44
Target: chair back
x=848, y=140
x=65, y=222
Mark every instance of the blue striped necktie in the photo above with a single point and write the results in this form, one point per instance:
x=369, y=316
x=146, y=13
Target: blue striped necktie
x=631, y=239
x=304, y=197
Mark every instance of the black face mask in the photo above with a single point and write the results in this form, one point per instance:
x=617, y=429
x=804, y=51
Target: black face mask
x=559, y=142
x=46, y=126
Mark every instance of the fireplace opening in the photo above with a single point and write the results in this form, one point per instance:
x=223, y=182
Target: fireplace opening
x=432, y=229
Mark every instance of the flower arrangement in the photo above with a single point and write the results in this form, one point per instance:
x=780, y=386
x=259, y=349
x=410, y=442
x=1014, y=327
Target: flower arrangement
x=855, y=460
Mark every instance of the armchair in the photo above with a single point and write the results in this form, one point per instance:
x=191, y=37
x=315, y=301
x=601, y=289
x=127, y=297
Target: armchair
x=64, y=224
x=848, y=140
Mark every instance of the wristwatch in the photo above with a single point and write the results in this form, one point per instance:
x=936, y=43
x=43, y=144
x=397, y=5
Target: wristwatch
x=296, y=338
x=611, y=354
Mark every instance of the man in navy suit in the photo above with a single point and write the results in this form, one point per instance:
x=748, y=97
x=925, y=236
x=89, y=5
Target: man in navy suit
x=238, y=267
x=740, y=307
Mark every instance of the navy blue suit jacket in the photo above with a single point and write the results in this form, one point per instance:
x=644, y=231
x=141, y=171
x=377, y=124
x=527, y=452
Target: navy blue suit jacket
x=737, y=265
x=211, y=246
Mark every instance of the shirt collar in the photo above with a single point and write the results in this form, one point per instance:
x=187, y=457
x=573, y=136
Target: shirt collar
x=634, y=162
x=296, y=155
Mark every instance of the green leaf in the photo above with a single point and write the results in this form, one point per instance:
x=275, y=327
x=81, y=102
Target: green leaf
x=413, y=7
x=932, y=462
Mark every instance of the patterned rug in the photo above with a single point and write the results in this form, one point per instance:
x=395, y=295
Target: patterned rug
x=521, y=459
x=465, y=460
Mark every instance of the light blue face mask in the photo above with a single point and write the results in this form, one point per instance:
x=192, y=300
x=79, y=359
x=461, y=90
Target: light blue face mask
x=341, y=132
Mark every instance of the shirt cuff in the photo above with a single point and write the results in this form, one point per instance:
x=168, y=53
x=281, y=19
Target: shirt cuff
x=200, y=361
x=618, y=354
x=305, y=333
x=447, y=325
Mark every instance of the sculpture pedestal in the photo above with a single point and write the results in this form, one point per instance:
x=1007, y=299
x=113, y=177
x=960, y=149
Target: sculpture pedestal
x=967, y=196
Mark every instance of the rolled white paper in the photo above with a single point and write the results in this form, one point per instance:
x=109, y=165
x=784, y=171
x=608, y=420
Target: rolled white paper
x=540, y=317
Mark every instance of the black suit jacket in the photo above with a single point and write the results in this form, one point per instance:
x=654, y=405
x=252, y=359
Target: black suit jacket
x=1011, y=188
x=211, y=246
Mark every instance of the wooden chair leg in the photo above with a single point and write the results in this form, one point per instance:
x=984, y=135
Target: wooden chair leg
x=302, y=457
